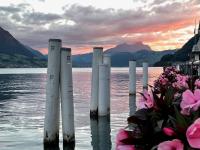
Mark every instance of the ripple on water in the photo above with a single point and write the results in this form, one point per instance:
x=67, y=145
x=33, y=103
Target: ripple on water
x=22, y=105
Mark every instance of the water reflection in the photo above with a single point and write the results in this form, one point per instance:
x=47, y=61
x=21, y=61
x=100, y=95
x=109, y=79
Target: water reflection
x=132, y=104
x=94, y=134
x=17, y=85
x=100, y=131
x=22, y=106
x=68, y=147
x=51, y=147
x=56, y=147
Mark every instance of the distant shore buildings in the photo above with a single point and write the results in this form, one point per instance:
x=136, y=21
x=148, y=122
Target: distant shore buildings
x=195, y=55
x=192, y=67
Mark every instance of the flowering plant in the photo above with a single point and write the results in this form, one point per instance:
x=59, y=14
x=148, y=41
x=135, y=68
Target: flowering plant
x=167, y=117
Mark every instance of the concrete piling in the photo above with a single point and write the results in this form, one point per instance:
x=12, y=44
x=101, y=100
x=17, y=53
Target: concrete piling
x=132, y=77
x=104, y=133
x=94, y=134
x=100, y=133
x=104, y=95
x=52, y=111
x=96, y=60
x=145, y=75
x=132, y=104
x=107, y=61
x=67, y=105
x=178, y=67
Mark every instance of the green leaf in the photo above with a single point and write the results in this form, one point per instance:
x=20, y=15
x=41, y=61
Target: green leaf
x=180, y=120
x=169, y=96
x=154, y=148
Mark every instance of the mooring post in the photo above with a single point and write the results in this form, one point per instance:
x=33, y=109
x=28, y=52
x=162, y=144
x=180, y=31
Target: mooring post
x=178, y=67
x=132, y=77
x=104, y=133
x=104, y=94
x=52, y=111
x=132, y=105
x=67, y=105
x=94, y=134
x=107, y=61
x=145, y=75
x=96, y=60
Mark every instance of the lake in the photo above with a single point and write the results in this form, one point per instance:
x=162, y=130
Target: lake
x=22, y=107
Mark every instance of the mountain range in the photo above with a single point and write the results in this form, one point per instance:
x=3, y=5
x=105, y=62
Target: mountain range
x=181, y=55
x=122, y=53
x=15, y=54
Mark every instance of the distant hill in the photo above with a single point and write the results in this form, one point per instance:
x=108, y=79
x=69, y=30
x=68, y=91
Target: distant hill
x=130, y=48
x=15, y=54
x=180, y=55
x=121, y=59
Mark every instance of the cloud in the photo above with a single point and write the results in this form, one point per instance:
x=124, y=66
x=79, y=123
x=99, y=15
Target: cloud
x=83, y=26
x=9, y=9
x=39, y=18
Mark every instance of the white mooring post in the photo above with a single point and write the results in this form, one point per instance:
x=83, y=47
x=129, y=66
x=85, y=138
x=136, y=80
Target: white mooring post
x=67, y=105
x=132, y=77
x=96, y=60
x=104, y=81
x=107, y=61
x=145, y=75
x=52, y=111
x=178, y=67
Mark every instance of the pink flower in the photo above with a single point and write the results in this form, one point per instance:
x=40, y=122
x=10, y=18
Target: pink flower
x=193, y=134
x=182, y=78
x=125, y=147
x=180, y=85
x=168, y=131
x=190, y=101
x=146, y=101
x=122, y=135
x=197, y=83
x=181, y=82
x=163, y=81
x=171, y=145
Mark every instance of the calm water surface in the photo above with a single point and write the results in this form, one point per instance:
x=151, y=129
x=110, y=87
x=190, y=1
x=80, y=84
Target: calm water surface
x=22, y=106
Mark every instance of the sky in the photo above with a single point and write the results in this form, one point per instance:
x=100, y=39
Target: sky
x=83, y=24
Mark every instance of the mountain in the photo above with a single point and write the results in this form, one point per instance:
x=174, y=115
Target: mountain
x=121, y=54
x=180, y=55
x=15, y=54
x=121, y=59
x=131, y=48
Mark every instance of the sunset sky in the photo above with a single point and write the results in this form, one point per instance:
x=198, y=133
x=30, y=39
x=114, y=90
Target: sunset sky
x=83, y=24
